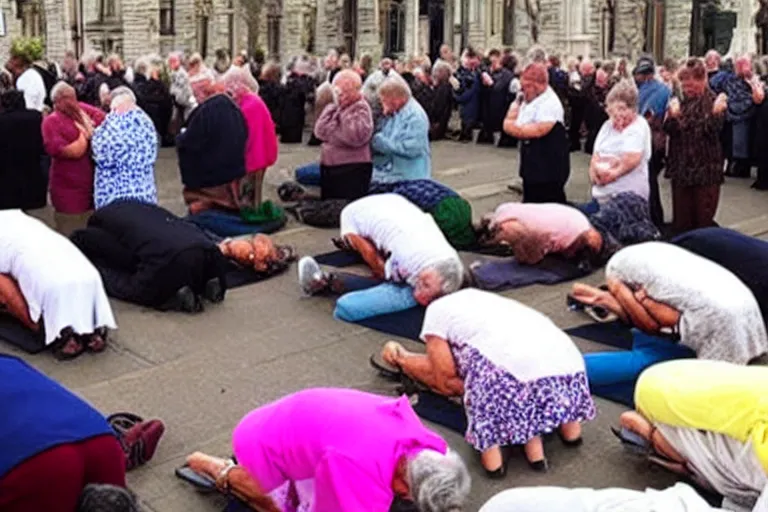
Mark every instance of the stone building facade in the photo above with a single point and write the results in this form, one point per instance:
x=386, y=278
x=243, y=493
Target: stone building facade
x=131, y=28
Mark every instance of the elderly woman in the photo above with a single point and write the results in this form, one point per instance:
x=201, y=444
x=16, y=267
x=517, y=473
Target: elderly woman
x=181, y=90
x=512, y=393
x=59, y=452
x=679, y=498
x=400, y=243
x=341, y=450
x=201, y=77
x=124, y=151
x=744, y=92
x=66, y=297
x=66, y=134
x=442, y=102
x=705, y=420
x=297, y=92
x=23, y=184
x=271, y=91
x=695, y=157
x=668, y=292
x=622, y=150
x=261, y=146
x=154, y=97
x=401, y=143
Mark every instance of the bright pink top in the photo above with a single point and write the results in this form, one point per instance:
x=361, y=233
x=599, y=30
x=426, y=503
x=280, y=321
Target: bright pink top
x=261, y=147
x=348, y=441
x=562, y=224
x=71, y=179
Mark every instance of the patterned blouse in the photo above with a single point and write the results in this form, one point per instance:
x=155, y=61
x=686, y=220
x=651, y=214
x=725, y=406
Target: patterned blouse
x=125, y=150
x=695, y=157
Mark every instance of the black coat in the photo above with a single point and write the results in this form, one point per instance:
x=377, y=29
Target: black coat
x=22, y=181
x=498, y=100
x=154, y=98
x=440, y=113
x=546, y=160
x=212, y=148
x=271, y=93
x=298, y=91
x=424, y=94
x=89, y=90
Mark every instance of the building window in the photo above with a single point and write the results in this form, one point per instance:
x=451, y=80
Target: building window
x=396, y=28
x=273, y=35
x=202, y=35
x=107, y=10
x=167, y=17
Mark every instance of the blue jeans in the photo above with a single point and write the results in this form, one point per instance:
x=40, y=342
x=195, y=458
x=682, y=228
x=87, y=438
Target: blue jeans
x=613, y=375
x=367, y=297
x=309, y=174
x=589, y=208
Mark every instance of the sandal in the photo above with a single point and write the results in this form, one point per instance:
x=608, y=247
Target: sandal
x=96, y=342
x=341, y=244
x=290, y=192
x=67, y=348
x=597, y=313
x=387, y=371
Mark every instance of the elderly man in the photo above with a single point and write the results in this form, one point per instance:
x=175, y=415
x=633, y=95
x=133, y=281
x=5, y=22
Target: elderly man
x=124, y=149
x=467, y=95
x=345, y=127
x=401, y=244
x=712, y=63
x=496, y=82
x=537, y=120
x=28, y=80
x=401, y=145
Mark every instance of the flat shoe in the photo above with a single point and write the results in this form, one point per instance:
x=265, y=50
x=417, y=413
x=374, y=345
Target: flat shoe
x=540, y=466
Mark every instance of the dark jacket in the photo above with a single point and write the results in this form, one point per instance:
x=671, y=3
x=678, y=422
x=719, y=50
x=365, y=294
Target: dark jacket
x=22, y=182
x=89, y=91
x=154, y=98
x=442, y=108
x=424, y=94
x=498, y=101
x=298, y=91
x=468, y=95
x=271, y=93
x=212, y=148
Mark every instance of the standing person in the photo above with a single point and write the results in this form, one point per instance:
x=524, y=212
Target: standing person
x=695, y=159
x=580, y=82
x=28, y=80
x=181, y=91
x=297, y=91
x=24, y=184
x=201, y=77
x=271, y=91
x=745, y=92
x=442, y=103
x=537, y=120
x=67, y=133
x=652, y=100
x=496, y=80
x=468, y=93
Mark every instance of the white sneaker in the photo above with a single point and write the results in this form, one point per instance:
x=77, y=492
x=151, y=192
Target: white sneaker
x=312, y=279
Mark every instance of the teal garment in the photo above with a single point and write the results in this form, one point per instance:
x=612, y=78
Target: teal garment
x=378, y=300
x=401, y=146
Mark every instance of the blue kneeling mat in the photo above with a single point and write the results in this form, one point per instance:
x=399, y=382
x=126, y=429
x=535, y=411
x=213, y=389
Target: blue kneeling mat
x=614, y=334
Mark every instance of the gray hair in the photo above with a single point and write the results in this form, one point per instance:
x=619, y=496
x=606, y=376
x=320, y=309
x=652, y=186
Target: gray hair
x=438, y=483
x=536, y=54
x=90, y=57
x=195, y=59
x=122, y=94
x=238, y=78
x=452, y=273
x=59, y=89
x=442, y=68
x=394, y=85
x=142, y=66
x=107, y=498
x=626, y=92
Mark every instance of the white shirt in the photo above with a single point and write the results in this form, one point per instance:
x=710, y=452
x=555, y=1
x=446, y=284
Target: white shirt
x=635, y=138
x=397, y=226
x=31, y=84
x=511, y=335
x=545, y=108
x=680, y=498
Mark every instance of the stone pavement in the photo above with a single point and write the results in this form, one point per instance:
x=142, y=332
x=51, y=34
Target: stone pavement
x=202, y=373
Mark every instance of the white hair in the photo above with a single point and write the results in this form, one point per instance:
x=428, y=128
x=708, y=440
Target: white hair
x=438, y=483
x=90, y=57
x=394, y=83
x=58, y=89
x=238, y=78
x=142, y=66
x=452, y=273
x=121, y=95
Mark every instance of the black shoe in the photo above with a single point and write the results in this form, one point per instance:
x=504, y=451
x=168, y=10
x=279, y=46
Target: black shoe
x=759, y=186
x=214, y=290
x=540, y=466
x=185, y=301
x=497, y=474
x=571, y=443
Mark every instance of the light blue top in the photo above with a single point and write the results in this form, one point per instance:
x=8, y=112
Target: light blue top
x=401, y=146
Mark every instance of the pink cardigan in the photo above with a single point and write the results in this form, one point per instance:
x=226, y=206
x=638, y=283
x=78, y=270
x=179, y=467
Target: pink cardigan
x=261, y=148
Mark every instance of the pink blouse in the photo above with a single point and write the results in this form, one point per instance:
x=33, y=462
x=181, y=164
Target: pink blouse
x=261, y=148
x=348, y=442
x=71, y=179
x=561, y=223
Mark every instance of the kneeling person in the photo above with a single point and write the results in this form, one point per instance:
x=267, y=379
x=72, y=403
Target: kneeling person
x=399, y=242
x=57, y=285
x=148, y=256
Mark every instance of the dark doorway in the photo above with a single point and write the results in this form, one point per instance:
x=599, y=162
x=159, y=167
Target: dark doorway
x=202, y=35
x=436, y=13
x=655, y=23
x=395, y=41
x=508, y=33
x=711, y=28
x=349, y=26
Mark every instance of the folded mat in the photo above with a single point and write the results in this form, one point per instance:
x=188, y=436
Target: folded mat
x=615, y=334
x=18, y=335
x=507, y=274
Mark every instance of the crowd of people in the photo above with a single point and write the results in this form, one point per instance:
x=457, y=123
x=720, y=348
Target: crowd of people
x=87, y=134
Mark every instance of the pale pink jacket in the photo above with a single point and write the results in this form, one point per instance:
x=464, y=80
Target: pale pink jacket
x=261, y=148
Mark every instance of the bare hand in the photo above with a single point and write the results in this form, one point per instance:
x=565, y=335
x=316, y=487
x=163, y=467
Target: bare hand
x=721, y=104
x=392, y=353
x=674, y=107
x=514, y=111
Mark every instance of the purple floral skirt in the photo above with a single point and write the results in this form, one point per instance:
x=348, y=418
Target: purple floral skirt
x=502, y=410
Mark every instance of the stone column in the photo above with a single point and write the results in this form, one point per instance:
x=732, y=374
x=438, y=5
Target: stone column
x=368, y=38
x=744, y=34
x=328, y=33
x=57, y=29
